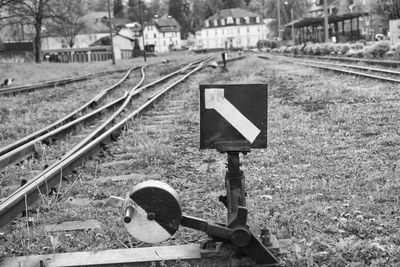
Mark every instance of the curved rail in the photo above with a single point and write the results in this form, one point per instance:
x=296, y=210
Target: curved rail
x=388, y=63
x=68, y=118
x=26, y=147
x=346, y=71
x=30, y=192
x=30, y=87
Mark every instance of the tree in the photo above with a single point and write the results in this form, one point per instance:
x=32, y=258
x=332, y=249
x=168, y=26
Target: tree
x=391, y=8
x=231, y=3
x=118, y=8
x=35, y=13
x=180, y=10
x=96, y=5
x=197, y=15
x=70, y=24
x=133, y=10
x=5, y=6
x=268, y=9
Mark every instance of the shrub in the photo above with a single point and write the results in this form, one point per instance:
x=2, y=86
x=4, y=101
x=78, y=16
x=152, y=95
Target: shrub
x=325, y=49
x=273, y=44
x=308, y=49
x=357, y=46
x=337, y=49
x=396, y=51
x=316, y=49
x=378, y=49
x=345, y=49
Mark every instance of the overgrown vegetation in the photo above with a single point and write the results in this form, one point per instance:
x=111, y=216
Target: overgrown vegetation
x=361, y=50
x=328, y=180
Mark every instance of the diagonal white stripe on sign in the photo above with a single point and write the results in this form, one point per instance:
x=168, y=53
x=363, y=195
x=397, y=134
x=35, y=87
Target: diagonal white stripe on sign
x=215, y=99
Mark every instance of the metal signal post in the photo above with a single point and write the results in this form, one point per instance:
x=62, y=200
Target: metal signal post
x=111, y=34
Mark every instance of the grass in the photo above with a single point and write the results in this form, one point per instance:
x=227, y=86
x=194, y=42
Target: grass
x=328, y=179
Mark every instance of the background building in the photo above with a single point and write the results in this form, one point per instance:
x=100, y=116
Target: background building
x=231, y=28
x=349, y=20
x=162, y=34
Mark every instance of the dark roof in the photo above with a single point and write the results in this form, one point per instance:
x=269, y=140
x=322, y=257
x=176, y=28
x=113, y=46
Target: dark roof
x=120, y=22
x=340, y=12
x=233, y=12
x=105, y=40
x=310, y=21
x=165, y=24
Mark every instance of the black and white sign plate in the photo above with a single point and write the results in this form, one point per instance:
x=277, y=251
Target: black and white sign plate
x=233, y=113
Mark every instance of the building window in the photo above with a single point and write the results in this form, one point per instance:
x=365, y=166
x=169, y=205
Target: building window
x=163, y=34
x=215, y=22
x=248, y=29
x=247, y=20
x=258, y=20
x=155, y=35
x=238, y=21
x=222, y=21
x=238, y=30
x=207, y=23
x=229, y=20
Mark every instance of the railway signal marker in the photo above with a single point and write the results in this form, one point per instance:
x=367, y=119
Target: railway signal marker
x=233, y=113
x=214, y=99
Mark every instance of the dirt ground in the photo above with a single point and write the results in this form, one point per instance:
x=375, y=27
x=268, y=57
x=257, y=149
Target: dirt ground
x=328, y=179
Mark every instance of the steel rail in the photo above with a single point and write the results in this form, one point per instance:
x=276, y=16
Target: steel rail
x=28, y=194
x=389, y=63
x=134, y=91
x=353, y=66
x=70, y=117
x=391, y=72
x=376, y=77
x=29, y=87
x=368, y=61
x=27, y=149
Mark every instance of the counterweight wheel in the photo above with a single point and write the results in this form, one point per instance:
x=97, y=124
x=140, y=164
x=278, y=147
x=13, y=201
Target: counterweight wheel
x=152, y=212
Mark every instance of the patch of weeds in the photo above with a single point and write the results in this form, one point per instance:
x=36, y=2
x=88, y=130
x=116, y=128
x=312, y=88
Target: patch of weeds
x=314, y=105
x=371, y=132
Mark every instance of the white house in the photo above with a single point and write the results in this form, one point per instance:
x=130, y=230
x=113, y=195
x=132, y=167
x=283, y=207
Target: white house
x=162, y=34
x=95, y=28
x=123, y=45
x=231, y=28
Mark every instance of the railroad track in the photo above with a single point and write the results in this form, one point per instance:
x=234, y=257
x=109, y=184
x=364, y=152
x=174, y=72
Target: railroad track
x=24, y=147
x=388, y=75
x=387, y=63
x=58, y=82
x=109, y=130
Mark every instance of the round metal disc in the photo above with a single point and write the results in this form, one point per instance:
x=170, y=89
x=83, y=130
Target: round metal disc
x=156, y=214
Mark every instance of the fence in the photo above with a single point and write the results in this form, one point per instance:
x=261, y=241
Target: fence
x=89, y=54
